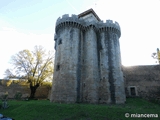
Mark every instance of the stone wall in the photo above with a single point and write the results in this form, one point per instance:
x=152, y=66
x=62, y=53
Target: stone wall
x=13, y=86
x=142, y=81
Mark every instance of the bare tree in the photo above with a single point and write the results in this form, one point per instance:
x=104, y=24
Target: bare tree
x=35, y=66
x=156, y=55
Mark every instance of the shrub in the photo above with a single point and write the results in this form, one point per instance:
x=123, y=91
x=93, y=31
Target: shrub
x=47, y=84
x=18, y=95
x=4, y=96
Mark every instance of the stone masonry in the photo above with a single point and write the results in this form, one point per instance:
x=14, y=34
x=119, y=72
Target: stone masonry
x=87, y=60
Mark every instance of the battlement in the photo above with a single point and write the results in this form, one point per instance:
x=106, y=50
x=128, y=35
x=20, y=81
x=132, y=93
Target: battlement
x=67, y=18
x=74, y=20
x=109, y=25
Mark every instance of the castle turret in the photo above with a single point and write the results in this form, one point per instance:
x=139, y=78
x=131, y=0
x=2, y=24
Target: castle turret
x=112, y=84
x=103, y=44
x=66, y=79
x=90, y=75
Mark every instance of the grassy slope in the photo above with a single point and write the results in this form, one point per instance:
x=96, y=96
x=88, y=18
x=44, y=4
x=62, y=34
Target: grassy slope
x=44, y=110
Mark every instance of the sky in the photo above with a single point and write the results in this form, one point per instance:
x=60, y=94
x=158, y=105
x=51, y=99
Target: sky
x=26, y=23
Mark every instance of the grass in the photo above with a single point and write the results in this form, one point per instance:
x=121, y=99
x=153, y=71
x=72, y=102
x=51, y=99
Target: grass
x=44, y=110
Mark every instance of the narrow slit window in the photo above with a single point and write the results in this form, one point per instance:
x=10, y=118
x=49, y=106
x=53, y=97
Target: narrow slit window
x=58, y=67
x=60, y=41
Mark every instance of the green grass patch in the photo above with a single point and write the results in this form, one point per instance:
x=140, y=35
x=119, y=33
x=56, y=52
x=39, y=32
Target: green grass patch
x=45, y=110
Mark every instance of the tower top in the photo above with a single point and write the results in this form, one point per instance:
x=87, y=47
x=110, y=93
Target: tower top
x=89, y=15
x=85, y=19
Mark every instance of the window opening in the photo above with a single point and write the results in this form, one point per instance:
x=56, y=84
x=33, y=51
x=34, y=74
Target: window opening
x=60, y=41
x=133, y=91
x=58, y=67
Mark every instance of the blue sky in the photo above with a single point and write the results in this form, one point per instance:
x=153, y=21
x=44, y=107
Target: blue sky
x=26, y=23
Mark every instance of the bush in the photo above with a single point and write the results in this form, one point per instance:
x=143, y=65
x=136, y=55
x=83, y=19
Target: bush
x=4, y=96
x=18, y=95
x=47, y=84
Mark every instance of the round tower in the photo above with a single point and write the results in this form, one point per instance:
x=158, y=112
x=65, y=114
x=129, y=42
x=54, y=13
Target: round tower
x=103, y=44
x=111, y=74
x=90, y=75
x=66, y=79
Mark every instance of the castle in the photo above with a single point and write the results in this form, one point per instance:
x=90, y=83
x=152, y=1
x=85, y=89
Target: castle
x=87, y=60
x=88, y=66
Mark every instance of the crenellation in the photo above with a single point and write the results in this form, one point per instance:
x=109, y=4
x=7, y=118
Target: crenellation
x=58, y=19
x=109, y=21
x=75, y=16
x=108, y=26
x=117, y=24
x=65, y=16
x=80, y=23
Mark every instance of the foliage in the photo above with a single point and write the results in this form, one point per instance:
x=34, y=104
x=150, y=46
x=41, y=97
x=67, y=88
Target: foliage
x=44, y=110
x=16, y=81
x=156, y=55
x=47, y=84
x=23, y=82
x=35, y=66
x=8, y=83
x=18, y=95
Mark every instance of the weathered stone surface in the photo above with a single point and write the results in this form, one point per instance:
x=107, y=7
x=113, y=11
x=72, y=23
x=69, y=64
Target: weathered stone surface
x=145, y=81
x=90, y=67
x=87, y=60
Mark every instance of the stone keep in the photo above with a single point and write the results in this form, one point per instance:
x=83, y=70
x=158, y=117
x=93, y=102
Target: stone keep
x=87, y=65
